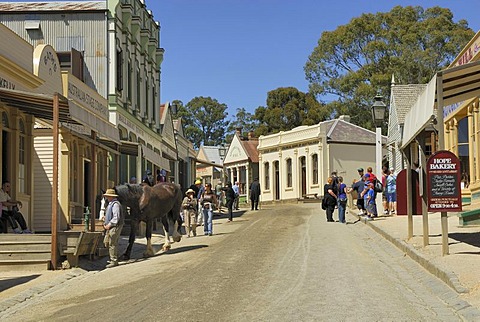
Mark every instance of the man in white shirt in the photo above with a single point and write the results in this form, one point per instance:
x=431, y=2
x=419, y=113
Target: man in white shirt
x=236, y=189
x=10, y=211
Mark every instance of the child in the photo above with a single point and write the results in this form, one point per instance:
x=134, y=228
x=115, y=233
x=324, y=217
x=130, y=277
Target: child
x=370, y=202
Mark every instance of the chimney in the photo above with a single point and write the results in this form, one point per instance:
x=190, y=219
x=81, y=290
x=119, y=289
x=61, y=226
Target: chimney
x=238, y=131
x=250, y=135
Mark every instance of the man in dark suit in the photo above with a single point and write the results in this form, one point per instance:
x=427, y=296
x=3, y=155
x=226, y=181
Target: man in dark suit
x=255, y=193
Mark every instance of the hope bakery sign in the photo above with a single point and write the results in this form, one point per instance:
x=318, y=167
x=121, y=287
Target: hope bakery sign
x=443, y=182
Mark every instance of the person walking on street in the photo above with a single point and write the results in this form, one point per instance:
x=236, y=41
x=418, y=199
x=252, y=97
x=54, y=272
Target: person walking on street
x=391, y=189
x=342, y=200
x=199, y=189
x=229, y=197
x=189, y=206
x=255, y=193
x=236, y=189
x=207, y=201
x=330, y=199
x=219, y=193
x=359, y=186
x=113, y=225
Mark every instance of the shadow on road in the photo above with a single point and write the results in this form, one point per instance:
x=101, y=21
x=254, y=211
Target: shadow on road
x=11, y=282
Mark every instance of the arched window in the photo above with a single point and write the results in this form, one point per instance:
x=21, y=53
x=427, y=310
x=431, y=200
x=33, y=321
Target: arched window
x=315, y=169
x=21, y=158
x=5, y=119
x=267, y=175
x=289, y=172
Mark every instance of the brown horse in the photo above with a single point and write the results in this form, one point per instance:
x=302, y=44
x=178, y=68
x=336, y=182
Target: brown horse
x=162, y=201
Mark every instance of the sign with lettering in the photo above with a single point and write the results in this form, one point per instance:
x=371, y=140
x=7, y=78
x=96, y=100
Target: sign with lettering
x=443, y=182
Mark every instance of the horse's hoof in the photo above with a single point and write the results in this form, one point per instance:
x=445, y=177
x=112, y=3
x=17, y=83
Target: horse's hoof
x=177, y=239
x=125, y=257
x=166, y=248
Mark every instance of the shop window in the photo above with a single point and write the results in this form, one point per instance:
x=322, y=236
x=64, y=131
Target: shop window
x=119, y=70
x=22, y=187
x=267, y=175
x=289, y=172
x=315, y=169
x=463, y=151
x=5, y=120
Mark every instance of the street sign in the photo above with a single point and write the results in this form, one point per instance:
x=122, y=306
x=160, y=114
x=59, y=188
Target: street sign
x=443, y=182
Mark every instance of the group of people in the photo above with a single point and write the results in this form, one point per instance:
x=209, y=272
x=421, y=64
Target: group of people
x=366, y=188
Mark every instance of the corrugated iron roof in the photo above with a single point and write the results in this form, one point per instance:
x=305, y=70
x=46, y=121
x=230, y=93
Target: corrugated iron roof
x=54, y=6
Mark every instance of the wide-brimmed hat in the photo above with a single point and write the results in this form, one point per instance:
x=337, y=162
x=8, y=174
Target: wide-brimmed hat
x=110, y=193
x=190, y=191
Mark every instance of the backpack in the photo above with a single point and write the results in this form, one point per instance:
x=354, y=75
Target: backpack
x=378, y=187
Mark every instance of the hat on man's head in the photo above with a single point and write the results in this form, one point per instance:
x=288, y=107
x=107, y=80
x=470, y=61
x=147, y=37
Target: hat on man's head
x=190, y=191
x=110, y=193
x=367, y=175
x=198, y=181
x=360, y=169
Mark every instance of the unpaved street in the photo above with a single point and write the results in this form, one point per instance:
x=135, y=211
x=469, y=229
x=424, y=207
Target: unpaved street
x=282, y=263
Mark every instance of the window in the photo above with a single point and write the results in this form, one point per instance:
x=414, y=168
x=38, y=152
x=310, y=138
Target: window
x=21, y=159
x=129, y=80
x=5, y=120
x=267, y=175
x=315, y=169
x=119, y=83
x=289, y=173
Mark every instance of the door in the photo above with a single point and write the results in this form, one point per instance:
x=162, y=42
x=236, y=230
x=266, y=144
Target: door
x=303, y=176
x=5, y=156
x=276, y=171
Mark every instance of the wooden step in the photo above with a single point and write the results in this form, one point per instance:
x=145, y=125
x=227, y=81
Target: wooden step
x=24, y=246
x=22, y=255
x=33, y=265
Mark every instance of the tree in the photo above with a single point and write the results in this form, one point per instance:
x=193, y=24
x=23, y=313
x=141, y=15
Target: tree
x=357, y=60
x=205, y=121
x=287, y=107
x=243, y=120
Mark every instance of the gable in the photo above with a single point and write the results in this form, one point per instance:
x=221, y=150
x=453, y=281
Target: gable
x=168, y=135
x=235, y=152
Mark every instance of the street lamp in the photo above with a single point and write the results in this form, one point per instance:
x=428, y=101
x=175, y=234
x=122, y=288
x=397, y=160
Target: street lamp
x=378, y=114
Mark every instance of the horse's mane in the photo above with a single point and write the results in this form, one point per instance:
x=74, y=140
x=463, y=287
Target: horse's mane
x=129, y=193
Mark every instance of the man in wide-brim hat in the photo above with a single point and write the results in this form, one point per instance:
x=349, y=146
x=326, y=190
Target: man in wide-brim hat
x=189, y=205
x=113, y=225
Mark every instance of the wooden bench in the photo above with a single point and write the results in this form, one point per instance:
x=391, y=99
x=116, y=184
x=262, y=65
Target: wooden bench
x=86, y=244
x=469, y=218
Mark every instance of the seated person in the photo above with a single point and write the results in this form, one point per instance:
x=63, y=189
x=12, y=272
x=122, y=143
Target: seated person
x=10, y=212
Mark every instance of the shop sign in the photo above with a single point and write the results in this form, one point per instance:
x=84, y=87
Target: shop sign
x=443, y=182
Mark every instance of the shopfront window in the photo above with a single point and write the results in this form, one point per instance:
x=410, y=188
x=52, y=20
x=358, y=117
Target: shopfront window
x=21, y=159
x=267, y=175
x=315, y=169
x=289, y=172
x=463, y=152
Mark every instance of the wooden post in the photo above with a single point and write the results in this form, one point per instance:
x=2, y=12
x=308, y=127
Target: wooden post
x=93, y=189
x=408, y=155
x=423, y=188
x=54, y=227
x=441, y=146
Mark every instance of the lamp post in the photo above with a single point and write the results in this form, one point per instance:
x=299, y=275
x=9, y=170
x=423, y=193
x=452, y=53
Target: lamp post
x=378, y=114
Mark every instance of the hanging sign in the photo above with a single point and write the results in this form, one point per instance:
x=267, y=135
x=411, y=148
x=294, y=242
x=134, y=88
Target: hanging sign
x=443, y=182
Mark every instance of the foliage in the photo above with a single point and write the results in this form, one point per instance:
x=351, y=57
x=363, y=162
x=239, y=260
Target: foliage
x=204, y=120
x=287, y=108
x=243, y=120
x=357, y=60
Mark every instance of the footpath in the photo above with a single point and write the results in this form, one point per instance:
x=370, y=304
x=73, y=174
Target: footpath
x=459, y=269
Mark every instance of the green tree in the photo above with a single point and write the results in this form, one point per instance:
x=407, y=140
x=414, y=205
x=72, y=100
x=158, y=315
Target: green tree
x=287, y=107
x=243, y=120
x=357, y=60
x=205, y=121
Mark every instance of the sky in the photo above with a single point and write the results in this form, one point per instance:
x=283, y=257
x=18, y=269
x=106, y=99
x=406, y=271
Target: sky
x=236, y=51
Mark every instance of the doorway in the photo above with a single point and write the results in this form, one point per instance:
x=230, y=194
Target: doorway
x=303, y=176
x=86, y=184
x=276, y=171
x=5, y=156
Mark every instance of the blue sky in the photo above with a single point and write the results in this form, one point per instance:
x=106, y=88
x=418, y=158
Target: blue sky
x=237, y=50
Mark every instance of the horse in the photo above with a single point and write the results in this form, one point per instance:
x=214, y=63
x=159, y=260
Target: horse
x=162, y=201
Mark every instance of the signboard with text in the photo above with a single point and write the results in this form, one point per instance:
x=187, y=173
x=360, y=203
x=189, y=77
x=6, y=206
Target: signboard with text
x=443, y=182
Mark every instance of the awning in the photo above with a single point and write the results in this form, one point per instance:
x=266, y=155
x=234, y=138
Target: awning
x=41, y=106
x=93, y=122
x=458, y=84
x=208, y=163
x=38, y=105
x=155, y=158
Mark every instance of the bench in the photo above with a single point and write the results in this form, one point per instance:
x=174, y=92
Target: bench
x=86, y=244
x=469, y=218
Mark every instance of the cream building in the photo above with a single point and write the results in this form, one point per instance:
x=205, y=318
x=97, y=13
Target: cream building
x=295, y=164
